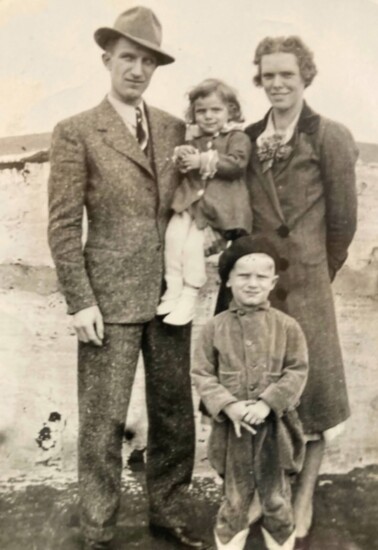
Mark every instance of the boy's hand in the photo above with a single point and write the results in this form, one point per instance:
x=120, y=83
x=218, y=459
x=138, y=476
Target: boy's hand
x=236, y=413
x=256, y=412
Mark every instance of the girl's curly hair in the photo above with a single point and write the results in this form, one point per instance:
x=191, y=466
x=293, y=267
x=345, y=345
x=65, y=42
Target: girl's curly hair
x=227, y=94
x=287, y=44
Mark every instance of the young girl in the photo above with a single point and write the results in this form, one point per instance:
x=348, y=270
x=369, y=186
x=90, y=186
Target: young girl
x=212, y=196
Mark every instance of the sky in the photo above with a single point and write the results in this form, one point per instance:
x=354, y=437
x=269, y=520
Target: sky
x=51, y=68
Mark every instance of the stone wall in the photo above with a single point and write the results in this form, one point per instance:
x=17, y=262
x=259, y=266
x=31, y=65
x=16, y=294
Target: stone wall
x=38, y=406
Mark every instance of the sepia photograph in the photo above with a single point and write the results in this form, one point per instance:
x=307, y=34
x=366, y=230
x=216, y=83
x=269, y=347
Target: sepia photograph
x=189, y=275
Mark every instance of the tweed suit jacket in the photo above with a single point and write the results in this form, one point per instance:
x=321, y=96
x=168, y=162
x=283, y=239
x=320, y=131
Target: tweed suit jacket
x=97, y=166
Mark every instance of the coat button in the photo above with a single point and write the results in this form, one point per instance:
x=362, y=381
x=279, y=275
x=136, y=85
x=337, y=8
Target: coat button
x=252, y=387
x=200, y=193
x=284, y=264
x=283, y=231
x=248, y=343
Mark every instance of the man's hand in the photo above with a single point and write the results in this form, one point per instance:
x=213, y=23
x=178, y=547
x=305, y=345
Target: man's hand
x=256, y=412
x=89, y=325
x=236, y=413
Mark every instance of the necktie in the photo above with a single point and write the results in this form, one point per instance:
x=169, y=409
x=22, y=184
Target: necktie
x=140, y=132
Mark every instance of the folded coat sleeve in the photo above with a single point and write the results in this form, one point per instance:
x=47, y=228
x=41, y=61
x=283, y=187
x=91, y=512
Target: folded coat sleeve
x=338, y=156
x=284, y=394
x=204, y=374
x=66, y=195
x=233, y=163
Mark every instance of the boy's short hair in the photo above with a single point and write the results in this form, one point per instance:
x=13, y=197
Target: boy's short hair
x=259, y=244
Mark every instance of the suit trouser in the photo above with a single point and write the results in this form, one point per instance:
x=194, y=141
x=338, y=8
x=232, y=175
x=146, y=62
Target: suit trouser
x=105, y=378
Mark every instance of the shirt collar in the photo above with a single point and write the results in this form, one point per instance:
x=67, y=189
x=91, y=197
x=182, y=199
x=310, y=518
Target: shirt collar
x=248, y=310
x=270, y=130
x=127, y=112
x=308, y=123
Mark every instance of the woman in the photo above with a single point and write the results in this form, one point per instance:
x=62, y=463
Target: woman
x=302, y=184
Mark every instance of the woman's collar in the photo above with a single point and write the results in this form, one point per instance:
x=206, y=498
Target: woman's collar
x=308, y=123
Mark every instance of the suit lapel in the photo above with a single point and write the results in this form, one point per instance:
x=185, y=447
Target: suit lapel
x=161, y=148
x=117, y=135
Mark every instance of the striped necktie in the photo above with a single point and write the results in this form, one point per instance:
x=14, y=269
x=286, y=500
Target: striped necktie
x=140, y=131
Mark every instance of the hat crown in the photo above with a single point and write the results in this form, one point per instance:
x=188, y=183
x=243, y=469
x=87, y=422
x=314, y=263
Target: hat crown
x=141, y=23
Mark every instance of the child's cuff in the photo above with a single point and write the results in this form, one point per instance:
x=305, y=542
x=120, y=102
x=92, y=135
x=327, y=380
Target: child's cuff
x=208, y=164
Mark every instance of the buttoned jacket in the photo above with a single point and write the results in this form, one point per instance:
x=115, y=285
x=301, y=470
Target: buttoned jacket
x=257, y=353
x=250, y=354
x=97, y=166
x=308, y=199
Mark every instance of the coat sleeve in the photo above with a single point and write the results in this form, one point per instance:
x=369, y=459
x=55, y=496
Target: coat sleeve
x=204, y=374
x=283, y=395
x=66, y=195
x=233, y=163
x=338, y=156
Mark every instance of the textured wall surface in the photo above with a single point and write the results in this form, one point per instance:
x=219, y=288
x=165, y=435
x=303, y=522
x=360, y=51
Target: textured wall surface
x=38, y=406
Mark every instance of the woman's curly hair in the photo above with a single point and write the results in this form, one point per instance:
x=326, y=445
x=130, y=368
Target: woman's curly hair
x=287, y=44
x=227, y=94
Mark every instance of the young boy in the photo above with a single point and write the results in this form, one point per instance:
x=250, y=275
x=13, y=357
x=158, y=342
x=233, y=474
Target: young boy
x=250, y=368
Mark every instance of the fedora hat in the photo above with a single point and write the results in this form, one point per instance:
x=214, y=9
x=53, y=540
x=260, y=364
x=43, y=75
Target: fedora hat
x=140, y=25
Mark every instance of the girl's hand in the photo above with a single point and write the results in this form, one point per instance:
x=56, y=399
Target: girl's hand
x=180, y=153
x=191, y=161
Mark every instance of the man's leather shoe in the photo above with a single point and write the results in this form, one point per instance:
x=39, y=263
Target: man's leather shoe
x=302, y=543
x=178, y=534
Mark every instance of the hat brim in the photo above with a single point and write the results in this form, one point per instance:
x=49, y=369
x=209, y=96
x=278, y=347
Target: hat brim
x=104, y=34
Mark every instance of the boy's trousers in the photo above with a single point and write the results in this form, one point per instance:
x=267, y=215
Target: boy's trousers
x=253, y=464
x=105, y=378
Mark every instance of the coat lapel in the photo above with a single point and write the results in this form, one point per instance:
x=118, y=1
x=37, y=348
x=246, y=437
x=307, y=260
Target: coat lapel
x=267, y=183
x=116, y=135
x=308, y=123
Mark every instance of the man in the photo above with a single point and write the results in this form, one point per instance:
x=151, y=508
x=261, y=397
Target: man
x=114, y=162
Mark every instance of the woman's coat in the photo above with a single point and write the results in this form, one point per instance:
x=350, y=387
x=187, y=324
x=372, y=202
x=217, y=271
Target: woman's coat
x=307, y=205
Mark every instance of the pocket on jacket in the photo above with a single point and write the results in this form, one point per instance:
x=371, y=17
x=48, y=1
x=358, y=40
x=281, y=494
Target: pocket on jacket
x=269, y=378
x=230, y=380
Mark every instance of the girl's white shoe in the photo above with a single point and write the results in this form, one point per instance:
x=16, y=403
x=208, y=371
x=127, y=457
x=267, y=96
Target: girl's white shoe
x=185, y=307
x=170, y=298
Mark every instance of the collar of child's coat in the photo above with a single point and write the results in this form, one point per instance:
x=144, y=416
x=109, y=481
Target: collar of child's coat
x=193, y=131
x=242, y=310
x=308, y=123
